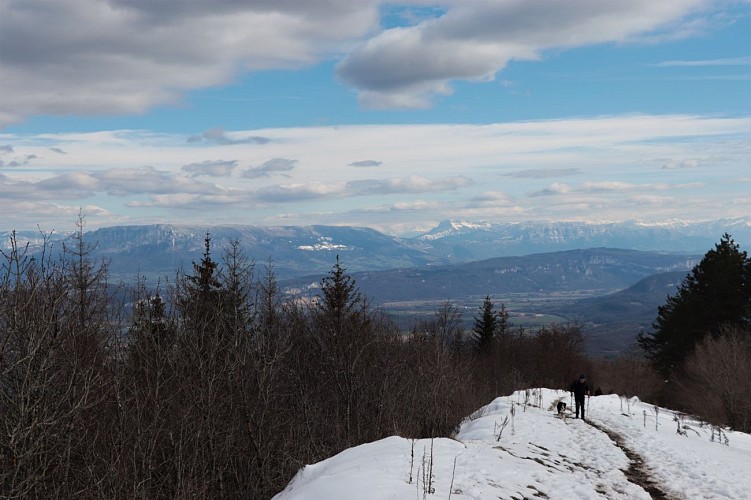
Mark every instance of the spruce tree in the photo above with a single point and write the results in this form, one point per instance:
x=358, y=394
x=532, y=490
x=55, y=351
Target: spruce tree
x=488, y=325
x=341, y=301
x=716, y=294
x=200, y=296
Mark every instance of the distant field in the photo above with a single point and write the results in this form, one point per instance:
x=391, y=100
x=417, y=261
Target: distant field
x=527, y=310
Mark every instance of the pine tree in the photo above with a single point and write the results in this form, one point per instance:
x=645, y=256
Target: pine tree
x=153, y=331
x=715, y=294
x=200, y=295
x=341, y=300
x=488, y=325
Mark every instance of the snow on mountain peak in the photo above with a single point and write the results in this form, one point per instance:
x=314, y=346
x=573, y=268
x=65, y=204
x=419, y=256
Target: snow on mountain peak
x=324, y=243
x=451, y=227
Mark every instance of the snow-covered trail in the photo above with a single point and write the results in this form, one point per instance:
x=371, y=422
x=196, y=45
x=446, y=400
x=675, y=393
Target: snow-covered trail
x=516, y=447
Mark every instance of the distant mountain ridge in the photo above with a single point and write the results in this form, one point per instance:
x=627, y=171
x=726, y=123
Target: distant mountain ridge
x=306, y=250
x=462, y=240
x=602, y=270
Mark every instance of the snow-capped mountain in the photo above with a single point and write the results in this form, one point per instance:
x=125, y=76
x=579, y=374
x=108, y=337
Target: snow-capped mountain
x=158, y=250
x=308, y=250
x=464, y=240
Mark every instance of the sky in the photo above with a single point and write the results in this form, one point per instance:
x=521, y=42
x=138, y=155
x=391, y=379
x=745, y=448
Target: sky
x=536, y=454
x=391, y=115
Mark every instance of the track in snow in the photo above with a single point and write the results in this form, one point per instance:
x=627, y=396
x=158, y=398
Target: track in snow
x=637, y=472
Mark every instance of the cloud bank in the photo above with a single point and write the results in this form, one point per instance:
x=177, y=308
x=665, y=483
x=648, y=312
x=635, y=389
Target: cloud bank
x=648, y=167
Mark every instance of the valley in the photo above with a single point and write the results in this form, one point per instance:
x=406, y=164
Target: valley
x=609, y=278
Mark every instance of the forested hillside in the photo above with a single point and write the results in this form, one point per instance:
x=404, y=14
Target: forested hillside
x=217, y=386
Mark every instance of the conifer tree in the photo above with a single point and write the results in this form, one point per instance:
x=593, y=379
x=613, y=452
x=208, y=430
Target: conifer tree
x=716, y=294
x=199, y=299
x=488, y=325
x=341, y=300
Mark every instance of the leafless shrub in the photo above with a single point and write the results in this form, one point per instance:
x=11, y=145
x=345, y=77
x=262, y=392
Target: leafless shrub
x=498, y=428
x=716, y=380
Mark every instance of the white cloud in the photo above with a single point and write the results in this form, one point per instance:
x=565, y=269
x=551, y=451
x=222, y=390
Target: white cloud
x=134, y=55
x=583, y=169
x=125, y=56
x=297, y=192
x=475, y=39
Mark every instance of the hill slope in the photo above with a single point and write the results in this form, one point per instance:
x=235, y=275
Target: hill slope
x=612, y=321
x=626, y=450
x=601, y=269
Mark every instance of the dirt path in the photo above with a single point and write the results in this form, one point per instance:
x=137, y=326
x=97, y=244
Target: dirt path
x=637, y=471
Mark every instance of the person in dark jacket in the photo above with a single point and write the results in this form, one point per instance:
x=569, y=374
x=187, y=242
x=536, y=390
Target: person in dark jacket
x=580, y=388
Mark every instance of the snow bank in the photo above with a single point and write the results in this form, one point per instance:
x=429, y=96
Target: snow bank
x=517, y=447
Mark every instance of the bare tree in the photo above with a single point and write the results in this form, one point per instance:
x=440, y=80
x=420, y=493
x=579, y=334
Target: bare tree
x=716, y=379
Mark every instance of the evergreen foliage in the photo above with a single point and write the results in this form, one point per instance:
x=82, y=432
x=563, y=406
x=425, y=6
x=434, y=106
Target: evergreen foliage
x=341, y=301
x=488, y=325
x=716, y=294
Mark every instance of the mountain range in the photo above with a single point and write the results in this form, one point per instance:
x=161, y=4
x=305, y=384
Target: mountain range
x=157, y=250
x=609, y=277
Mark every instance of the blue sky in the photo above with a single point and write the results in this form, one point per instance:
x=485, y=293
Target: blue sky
x=388, y=115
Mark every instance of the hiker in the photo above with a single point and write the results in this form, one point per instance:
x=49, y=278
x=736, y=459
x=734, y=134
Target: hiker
x=580, y=389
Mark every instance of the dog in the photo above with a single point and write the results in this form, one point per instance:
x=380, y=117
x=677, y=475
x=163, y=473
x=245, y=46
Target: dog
x=561, y=408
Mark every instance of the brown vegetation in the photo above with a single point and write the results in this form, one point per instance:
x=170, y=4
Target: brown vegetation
x=215, y=387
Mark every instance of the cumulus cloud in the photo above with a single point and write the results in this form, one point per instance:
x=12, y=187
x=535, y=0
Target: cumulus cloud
x=109, y=66
x=215, y=168
x=300, y=192
x=219, y=136
x=274, y=165
x=490, y=199
x=475, y=39
x=58, y=150
x=6, y=148
x=120, y=182
x=366, y=163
